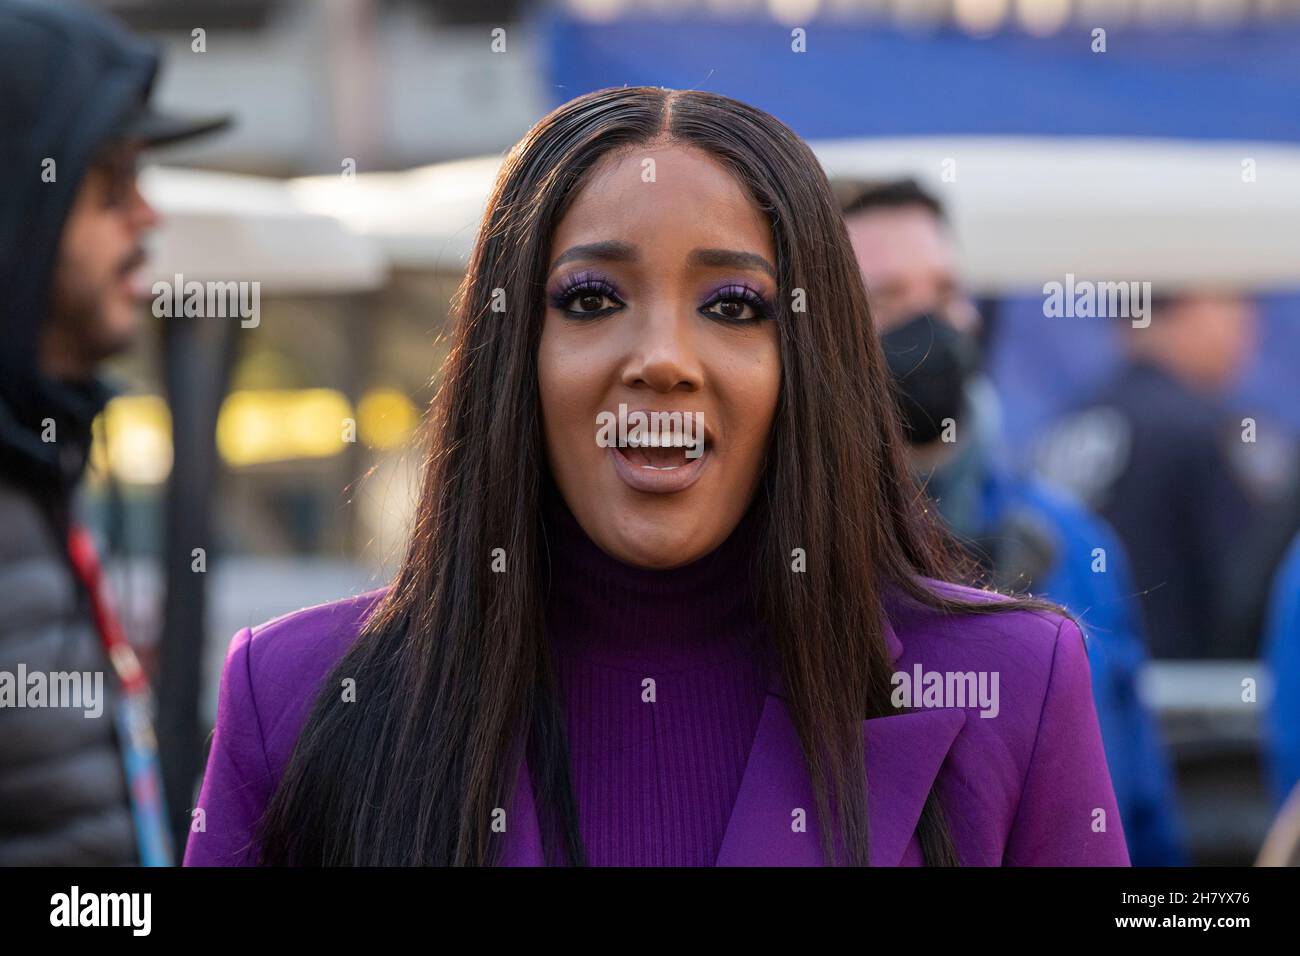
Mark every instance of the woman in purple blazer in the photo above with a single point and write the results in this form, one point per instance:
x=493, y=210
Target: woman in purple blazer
x=671, y=598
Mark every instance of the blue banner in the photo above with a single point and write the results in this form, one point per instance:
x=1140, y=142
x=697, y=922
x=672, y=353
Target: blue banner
x=863, y=79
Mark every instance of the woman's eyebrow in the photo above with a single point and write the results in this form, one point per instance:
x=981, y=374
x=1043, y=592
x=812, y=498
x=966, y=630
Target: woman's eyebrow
x=609, y=251
x=732, y=258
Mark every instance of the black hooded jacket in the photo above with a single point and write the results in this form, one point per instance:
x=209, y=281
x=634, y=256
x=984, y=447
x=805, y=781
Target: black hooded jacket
x=68, y=78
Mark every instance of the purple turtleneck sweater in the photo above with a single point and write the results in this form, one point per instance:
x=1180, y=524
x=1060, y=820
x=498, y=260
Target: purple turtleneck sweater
x=662, y=683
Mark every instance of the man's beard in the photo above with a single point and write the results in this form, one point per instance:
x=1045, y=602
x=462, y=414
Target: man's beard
x=82, y=330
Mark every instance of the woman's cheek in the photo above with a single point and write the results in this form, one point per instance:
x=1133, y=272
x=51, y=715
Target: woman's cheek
x=553, y=390
x=570, y=397
x=762, y=392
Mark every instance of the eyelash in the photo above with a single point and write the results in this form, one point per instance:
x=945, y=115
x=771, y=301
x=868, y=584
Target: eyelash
x=588, y=285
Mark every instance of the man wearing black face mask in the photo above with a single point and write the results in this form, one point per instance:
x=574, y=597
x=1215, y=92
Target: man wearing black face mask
x=1025, y=536
x=934, y=363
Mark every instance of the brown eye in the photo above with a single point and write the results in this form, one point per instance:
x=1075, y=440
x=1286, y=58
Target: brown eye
x=590, y=299
x=736, y=304
x=733, y=310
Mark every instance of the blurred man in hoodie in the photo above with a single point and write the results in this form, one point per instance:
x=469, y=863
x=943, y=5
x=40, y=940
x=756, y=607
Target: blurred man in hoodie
x=76, y=787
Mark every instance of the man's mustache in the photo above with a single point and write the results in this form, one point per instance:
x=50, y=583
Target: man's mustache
x=132, y=261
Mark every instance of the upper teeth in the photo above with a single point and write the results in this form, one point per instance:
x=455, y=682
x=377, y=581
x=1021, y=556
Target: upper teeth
x=661, y=441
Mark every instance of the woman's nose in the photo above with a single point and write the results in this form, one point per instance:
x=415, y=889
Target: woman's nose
x=662, y=352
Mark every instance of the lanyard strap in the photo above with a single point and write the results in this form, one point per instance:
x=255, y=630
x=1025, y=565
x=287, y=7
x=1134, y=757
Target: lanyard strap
x=81, y=549
x=135, y=722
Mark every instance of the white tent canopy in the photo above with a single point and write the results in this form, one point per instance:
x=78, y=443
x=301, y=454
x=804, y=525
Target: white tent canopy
x=1026, y=210
x=425, y=218
x=220, y=226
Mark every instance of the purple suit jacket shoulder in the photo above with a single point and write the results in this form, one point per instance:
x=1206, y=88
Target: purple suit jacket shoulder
x=1019, y=769
x=268, y=684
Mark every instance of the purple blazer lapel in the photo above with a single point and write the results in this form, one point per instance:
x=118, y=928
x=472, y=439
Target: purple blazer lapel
x=904, y=753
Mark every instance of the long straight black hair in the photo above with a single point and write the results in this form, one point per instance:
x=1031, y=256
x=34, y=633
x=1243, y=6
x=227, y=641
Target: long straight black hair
x=452, y=670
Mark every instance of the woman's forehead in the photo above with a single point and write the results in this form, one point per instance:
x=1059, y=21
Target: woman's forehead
x=643, y=193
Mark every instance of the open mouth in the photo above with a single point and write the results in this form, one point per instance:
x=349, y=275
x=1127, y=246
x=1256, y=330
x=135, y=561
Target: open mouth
x=662, y=464
x=657, y=455
x=131, y=275
x=654, y=450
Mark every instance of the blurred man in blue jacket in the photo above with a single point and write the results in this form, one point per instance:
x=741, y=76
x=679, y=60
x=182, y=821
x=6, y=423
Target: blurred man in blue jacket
x=1025, y=536
x=1282, y=651
x=1161, y=430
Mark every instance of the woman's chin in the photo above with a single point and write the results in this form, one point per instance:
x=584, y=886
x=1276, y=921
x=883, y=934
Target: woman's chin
x=655, y=545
